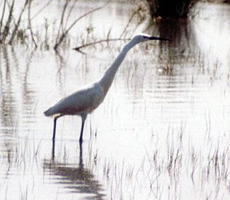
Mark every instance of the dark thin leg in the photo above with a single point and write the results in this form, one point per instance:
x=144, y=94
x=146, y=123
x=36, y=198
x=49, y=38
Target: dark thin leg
x=54, y=130
x=81, y=165
x=54, y=133
x=53, y=150
x=82, y=130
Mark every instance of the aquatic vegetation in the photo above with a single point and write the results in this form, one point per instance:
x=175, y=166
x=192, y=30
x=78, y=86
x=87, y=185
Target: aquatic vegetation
x=52, y=33
x=162, y=133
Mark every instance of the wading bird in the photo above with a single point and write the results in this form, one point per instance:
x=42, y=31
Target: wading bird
x=87, y=99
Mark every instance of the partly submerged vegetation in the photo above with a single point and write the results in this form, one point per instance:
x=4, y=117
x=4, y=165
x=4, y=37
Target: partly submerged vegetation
x=17, y=22
x=17, y=25
x=163, y=132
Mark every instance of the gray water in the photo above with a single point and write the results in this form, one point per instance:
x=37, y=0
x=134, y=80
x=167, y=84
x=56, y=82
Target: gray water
x=163, y=131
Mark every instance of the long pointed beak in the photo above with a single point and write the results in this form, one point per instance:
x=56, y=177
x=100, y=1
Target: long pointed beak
x=158, y=38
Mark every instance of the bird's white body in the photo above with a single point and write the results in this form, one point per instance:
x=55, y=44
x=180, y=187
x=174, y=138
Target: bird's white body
x=85, y=100
x=82, y=102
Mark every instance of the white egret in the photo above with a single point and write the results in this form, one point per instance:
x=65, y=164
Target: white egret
x=86, y=100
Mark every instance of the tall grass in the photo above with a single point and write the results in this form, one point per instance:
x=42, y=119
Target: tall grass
x=16, y=27
x=19, y=27
x=64, y=28
x=11, y=29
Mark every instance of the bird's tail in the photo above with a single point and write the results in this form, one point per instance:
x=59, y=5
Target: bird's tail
x=48, y=112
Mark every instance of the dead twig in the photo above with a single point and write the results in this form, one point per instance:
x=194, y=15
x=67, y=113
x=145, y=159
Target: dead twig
x=30, y=25
x=1, y=22
x=97, y=42
x=7, y=26
x=18, y=22
x=66, y=31
x=39, y=11
x=127, y=25
x=62, y=21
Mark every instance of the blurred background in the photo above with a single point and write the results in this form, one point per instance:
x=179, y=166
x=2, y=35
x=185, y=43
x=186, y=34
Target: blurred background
x=163, y=130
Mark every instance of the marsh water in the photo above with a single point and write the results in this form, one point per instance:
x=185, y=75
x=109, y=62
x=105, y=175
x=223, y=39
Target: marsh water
x=162, y=132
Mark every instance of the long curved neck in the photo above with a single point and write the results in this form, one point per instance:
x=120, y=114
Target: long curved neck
x=109, y=75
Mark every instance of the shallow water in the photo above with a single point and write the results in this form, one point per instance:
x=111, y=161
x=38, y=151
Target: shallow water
x=161, y=133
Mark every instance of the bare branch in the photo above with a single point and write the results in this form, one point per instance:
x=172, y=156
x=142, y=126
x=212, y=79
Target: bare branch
x=18, y=22
x=30, y=25
x=71, y=9
x=65, y=32
x=7, y=26
x=1, y=22
x=97, y=42
x=127, y=25
x=37, y=13
x=62, y=19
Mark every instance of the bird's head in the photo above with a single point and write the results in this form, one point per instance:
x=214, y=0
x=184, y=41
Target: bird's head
x=144, y=37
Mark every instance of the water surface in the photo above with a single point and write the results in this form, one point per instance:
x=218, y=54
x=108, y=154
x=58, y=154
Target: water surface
x=161, y=133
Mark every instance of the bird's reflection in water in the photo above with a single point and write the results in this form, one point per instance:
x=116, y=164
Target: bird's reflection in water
x=77, y=179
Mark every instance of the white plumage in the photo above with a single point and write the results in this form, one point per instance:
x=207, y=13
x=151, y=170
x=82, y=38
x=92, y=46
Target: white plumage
x=85, y=100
